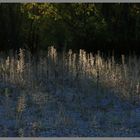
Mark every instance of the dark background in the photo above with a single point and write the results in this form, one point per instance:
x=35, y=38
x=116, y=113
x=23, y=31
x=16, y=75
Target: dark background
x=91, y=26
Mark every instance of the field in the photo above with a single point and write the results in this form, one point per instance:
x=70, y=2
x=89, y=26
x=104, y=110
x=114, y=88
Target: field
x=68, y=94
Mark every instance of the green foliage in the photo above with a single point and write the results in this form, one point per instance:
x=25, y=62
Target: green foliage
x=36, y=25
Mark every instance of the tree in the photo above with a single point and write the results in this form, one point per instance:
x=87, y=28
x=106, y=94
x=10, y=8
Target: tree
x=10, y=26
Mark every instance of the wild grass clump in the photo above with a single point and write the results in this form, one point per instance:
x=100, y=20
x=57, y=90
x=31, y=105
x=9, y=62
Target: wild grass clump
x=74, y=70
x=71, y=87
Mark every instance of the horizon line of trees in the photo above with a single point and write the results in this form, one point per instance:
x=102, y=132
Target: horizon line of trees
x=73, y=25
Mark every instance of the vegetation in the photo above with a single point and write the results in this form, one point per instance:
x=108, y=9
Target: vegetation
x=68, y=94
x=91, y=26
x=51, y=82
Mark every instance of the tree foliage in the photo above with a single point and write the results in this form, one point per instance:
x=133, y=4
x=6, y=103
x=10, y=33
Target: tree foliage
x=76, y=25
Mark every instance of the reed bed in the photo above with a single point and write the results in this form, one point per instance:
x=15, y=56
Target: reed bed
x=60, y=93
x=69, y=68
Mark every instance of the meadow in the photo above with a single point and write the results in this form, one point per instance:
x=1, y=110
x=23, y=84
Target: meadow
x=68, y=94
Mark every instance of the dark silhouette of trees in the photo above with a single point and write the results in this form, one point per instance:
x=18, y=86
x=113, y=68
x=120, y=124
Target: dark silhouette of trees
x=74, y=25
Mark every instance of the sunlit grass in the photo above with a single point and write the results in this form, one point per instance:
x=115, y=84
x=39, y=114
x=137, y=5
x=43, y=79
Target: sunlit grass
x=70, y=68
x=65, y=79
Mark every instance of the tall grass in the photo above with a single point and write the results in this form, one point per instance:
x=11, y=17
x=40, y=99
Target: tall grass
x=80, y=70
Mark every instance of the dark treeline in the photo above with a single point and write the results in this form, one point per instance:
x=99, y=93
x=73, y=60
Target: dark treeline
x=76, y=25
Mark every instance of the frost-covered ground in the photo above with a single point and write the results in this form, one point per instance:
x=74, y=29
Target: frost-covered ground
x=69, y=95
x=66, y=112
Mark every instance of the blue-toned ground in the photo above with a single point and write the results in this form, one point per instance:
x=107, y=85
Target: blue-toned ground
x=66, y=112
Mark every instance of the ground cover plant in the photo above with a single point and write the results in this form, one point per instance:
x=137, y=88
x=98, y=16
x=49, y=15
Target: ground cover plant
x=68, y=94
